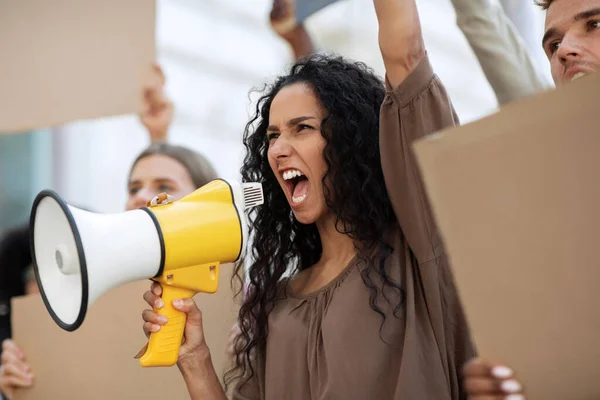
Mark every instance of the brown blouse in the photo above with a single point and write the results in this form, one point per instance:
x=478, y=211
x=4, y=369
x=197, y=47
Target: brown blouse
x=328, y=344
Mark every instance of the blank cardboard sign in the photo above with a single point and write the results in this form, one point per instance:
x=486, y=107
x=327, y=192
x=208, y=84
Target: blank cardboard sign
x=65, y=60
x=516, y=196
x=96, y=361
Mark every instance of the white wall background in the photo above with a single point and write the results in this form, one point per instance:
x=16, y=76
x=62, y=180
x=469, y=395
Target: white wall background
x=213, y=52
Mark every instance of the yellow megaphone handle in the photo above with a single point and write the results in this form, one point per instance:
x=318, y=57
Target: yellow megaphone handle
x=163, y=346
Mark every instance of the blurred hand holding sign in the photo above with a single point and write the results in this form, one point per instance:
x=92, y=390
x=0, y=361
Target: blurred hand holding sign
x=306, y=8
x=65, y=60
x=288, y=14
x=516, y=196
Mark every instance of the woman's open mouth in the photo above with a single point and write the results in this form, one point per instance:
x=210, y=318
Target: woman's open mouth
x=297, y=184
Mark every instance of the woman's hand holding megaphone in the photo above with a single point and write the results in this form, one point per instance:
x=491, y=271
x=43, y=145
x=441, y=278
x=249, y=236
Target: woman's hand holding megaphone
x=194, y=360
x=193, y=348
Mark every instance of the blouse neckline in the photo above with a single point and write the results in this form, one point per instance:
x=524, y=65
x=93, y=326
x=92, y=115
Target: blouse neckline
x=304, y=296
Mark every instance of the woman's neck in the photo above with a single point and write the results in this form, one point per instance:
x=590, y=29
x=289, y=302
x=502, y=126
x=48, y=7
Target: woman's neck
x=338, y=251
x=337, y=248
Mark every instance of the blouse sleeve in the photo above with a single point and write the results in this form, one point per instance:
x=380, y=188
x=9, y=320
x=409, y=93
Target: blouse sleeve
x=419, y=106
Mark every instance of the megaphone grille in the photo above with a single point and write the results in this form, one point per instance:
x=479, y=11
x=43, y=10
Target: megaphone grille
x=253, y=194
x=59, y=260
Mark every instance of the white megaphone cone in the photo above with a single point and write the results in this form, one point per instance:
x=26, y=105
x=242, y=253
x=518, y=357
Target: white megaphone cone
x=80, y=255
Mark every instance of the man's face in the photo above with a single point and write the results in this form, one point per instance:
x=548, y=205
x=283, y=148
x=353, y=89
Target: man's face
x=572, y=39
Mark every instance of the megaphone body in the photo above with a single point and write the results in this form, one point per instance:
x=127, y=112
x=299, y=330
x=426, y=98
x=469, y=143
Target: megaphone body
x=80, y=255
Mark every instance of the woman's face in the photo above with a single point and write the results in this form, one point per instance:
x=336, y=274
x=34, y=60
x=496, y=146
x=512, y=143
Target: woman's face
x=296, y=150
x=156, y=174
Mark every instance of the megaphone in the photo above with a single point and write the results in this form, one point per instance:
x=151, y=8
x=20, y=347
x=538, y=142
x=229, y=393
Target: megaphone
x=80, y=255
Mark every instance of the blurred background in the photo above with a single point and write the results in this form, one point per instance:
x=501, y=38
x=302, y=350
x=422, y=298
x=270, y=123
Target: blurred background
x=213, y=53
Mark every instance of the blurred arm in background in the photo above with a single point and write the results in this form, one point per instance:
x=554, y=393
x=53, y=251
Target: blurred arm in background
x=501, y=51
x=283, y=22
x=157, y=113
x=521, y=14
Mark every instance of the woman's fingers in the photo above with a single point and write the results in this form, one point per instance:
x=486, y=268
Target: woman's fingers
x=154, y=317
x=482, y=367
x=156, y=288
x=15, y=381
x=152, y=321
x=20, y=374
x=153, y=299
x=149, y=328
x=486, y=380
x=9, y=358
x=477, y=386
x=9, y=346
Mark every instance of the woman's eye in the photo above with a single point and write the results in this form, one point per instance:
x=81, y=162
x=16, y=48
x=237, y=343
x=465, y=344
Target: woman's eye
x=272, y=136
x=302, y=127
x=133, y=191
x=554, y=46
x=166, y=188
x=594, y=24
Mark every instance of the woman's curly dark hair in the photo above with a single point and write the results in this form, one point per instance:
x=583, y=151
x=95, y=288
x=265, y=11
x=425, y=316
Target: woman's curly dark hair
x=351, y=95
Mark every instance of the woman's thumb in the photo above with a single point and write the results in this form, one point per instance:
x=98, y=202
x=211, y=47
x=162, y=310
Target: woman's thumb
x=194, y=315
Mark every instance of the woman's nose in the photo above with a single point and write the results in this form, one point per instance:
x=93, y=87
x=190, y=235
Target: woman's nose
x=281, y=148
